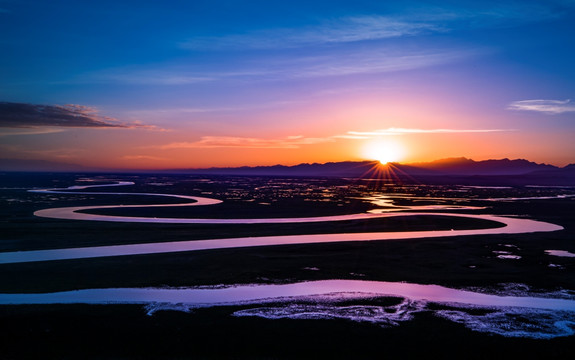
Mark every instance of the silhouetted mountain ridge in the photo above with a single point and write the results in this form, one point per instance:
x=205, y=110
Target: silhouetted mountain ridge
x=344, y=168
x=464, y=166
x=442, y=167
x=458, y=170
x=444, y=171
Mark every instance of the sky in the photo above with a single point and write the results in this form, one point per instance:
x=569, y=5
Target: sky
x=194, y=84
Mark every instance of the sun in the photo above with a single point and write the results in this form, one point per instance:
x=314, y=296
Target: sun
x=384, y=151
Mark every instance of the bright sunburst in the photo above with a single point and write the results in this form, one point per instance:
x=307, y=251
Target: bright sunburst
x=383, y=151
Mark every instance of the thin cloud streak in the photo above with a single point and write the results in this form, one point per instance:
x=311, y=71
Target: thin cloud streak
x=295, y=142
x=20, y=151
x=372, y=62
x=352, y=137
x=544, y=106
x=29, y=131
x=177, y=112
x=377, y=27
x=402, y=131
x=23, y=116
x=344, y=30
x=209, y=142
x=141, y=77
x=270, y=68
x=143, y=157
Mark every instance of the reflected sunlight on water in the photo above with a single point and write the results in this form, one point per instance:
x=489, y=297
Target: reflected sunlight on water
x=319, y=300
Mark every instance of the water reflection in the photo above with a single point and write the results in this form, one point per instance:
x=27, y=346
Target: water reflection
x=557, y=313
x=319, y=299
x=512, y=226
x=330, y=289
x=509, y=226
x=561, y=253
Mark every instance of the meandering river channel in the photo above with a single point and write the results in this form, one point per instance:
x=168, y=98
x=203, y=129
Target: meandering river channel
x=510, y=226
x=550, y=315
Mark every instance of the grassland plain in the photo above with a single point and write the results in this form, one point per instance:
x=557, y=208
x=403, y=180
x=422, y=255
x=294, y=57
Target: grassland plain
x=125, y=331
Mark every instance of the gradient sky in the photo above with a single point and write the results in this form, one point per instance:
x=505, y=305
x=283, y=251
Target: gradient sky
x=167, y=84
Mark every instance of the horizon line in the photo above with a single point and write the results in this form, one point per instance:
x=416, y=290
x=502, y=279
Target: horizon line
x=84, y=168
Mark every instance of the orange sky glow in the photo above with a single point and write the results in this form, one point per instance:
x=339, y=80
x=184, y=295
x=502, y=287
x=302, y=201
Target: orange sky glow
x=288, y=87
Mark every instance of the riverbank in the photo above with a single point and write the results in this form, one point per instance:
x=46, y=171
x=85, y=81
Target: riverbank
x=511, y=264
x=125, y=332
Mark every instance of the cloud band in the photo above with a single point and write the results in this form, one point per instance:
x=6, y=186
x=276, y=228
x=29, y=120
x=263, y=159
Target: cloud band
x=544, y=106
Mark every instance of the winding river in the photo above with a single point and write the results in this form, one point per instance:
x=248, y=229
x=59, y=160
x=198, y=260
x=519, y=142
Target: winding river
x=548, y=315
x=510, y=226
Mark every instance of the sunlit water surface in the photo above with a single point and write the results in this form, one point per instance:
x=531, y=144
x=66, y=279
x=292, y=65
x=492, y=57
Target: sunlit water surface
x=560, y=253
x=543, y=317
x=509, y=226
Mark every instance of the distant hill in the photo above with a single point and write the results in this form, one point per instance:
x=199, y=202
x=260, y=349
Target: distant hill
x=341, y=169
x=450, y=166
x=444, y=171
x=464, y=166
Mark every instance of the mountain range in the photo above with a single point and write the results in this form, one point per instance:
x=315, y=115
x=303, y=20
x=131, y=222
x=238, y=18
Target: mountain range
x=449, y=166
x=444, y=171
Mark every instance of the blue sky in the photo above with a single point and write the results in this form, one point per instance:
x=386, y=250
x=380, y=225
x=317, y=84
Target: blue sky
x=194, y=83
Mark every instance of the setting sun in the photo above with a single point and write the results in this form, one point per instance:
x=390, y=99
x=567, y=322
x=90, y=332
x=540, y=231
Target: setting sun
x=383, y=151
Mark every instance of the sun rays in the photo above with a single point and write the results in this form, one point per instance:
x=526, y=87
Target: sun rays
x=384, y=151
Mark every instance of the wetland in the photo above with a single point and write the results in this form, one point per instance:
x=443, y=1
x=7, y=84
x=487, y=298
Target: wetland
x=469, y=253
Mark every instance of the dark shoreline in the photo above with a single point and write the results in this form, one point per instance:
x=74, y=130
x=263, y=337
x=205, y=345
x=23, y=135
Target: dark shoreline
x=125, y=332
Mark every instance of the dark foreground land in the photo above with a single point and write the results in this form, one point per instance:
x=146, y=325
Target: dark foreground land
x=126, y=331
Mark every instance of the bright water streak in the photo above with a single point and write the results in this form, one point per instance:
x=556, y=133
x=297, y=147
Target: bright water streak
x=561, y=253
x=268, y=293
x=513, y=226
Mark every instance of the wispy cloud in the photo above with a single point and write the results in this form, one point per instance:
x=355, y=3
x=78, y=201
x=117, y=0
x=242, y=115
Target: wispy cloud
x=161, y=75
x=166, y=75
x=18, y=151
x=417, y=21
x=29, y=131
x=352, y=137
x=290, y=142
x=544, y=106
x=142, y=157
x=373, y=61
x=344, y=30
x=295, y=142
x=22, y=116
x=326, y=39
x=271, y=68
x=402, y=131
x=184, y=111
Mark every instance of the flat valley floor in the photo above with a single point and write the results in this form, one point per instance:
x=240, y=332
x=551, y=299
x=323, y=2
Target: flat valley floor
x=336, y=327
